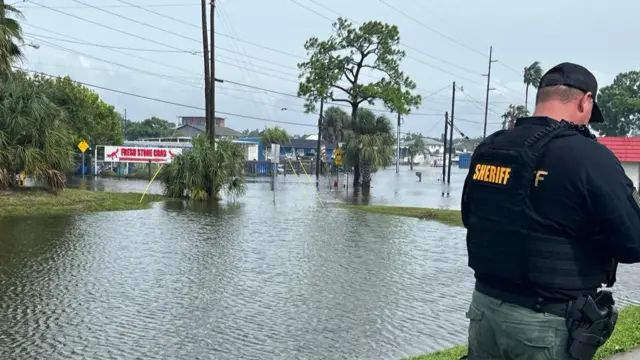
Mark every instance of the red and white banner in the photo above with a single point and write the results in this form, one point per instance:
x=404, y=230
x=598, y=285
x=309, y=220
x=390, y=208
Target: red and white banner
x=130, y=154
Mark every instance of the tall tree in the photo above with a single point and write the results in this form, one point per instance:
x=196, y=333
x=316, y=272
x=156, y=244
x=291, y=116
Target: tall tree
x=532, y=75
x=336, y=67
x=149, y=128
x=620, y=105
x=10, y=37
x=88, y=117
x=252, y=133
x=512, y=113
x=369, y=143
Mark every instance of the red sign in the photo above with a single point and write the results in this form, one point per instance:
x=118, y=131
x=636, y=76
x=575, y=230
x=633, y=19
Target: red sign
x=139, y=154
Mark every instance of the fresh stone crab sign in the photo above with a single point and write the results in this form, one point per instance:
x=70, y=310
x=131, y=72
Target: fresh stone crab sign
x=130, y=154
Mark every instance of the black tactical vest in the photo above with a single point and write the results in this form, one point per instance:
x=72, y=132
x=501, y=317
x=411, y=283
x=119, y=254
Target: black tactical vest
x=497, y=214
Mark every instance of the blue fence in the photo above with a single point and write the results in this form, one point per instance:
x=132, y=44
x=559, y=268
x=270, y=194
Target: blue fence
x=265, y=168
x=464, y=161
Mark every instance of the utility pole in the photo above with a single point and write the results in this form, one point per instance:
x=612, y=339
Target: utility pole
x=444, y=151
x=486, y=100
x=125, y=119
x=318, y=145
x=398, y=148
x=212, y=81
x=207, y=77
x=453, y=106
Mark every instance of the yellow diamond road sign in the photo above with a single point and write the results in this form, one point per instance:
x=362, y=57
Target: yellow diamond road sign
x=338, y=157
x=83, y=145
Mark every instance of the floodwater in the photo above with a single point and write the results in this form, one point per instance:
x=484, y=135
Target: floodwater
x=253, y=280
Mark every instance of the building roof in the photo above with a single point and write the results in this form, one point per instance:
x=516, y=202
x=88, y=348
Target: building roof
x=199, y=117
x=308, y=144
x=624, y=148
x=430, y=141
x=427, y=142
x=220, y=131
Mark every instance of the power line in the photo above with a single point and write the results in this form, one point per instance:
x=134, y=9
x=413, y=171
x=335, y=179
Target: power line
x=340, y=104
x=195, y=86
x=108, y=6
x=149, y=50
x=37, y=39
x=110, y=46
x=432, y=29
x=176, y=34
x=171, y=102
x=443, y=35
x=162, y=76
x=159, y=14
x=141, y=23
x=180, y=81
x=110, y=28
x=403, y=44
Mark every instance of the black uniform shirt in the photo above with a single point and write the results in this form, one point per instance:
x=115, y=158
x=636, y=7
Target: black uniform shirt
x=580, y=191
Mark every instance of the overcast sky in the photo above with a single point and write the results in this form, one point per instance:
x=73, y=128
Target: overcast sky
x=445, y=41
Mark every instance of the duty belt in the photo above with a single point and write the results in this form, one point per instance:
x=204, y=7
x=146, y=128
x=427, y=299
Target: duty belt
x=536, y=304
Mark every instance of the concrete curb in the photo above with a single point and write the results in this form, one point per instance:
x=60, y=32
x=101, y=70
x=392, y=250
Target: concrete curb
x=631, y=355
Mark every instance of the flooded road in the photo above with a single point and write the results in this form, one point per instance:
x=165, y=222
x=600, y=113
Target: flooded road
x=254, y=280
x=388, y=188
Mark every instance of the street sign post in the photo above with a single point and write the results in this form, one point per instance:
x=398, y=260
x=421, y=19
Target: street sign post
x=83, y=146
x=275, y=160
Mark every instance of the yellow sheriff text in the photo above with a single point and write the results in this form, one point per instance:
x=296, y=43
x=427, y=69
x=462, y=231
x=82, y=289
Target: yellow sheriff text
x=492, y=173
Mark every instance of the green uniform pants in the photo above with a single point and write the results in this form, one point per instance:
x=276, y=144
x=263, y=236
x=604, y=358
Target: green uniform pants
x=500, y=330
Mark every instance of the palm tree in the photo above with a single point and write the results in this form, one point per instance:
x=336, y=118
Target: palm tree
x=33, y=134
x=274, y=135
x=512, y=113
x=10, y=37
x=416, y=148
x=191, y=173
x=369, y=144
x=335, y=124
x=532, y=75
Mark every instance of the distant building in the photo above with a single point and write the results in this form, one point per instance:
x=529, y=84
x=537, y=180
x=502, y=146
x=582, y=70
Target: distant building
x=434, y=146
x=199, y=121
x=296, y=147
x=431, y=146
x=195, y=125
x=627, y=150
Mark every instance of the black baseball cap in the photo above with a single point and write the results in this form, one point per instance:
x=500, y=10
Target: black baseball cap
x=577, y=77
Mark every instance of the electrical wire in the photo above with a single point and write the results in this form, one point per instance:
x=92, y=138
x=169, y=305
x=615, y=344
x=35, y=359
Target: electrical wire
x=111, y=28
x=171, y=102
x=106, y=6
x=161, y=76
x=191, y=84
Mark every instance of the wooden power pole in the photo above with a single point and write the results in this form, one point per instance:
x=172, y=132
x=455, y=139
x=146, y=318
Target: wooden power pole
x=453, y=107
x=207, y=76
x=318, y=144
x=212, y=81
x=444, y=148
x=398, y=146
x=486, y=100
